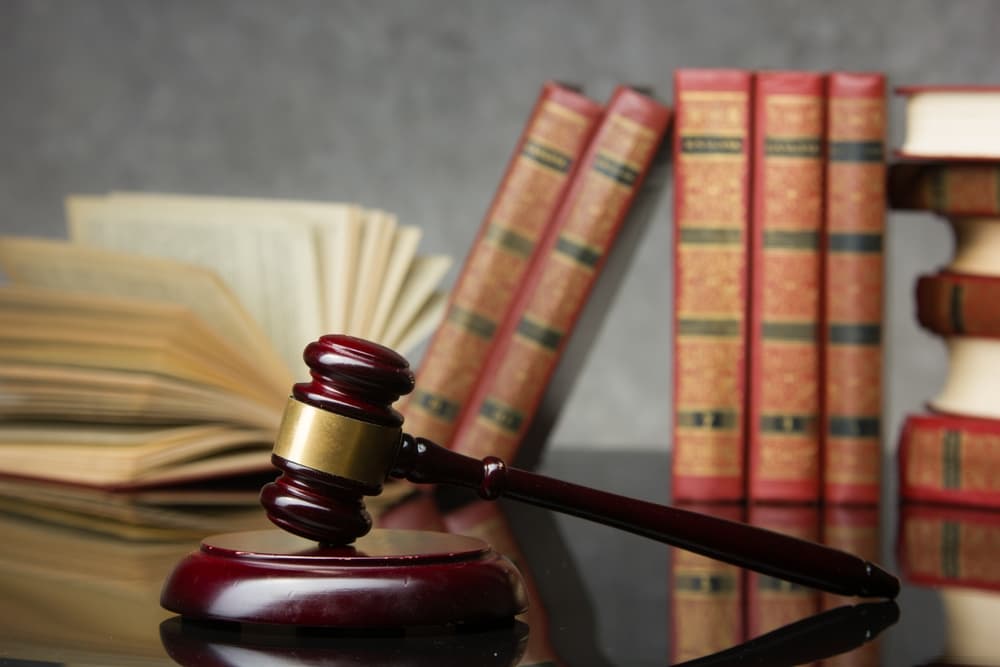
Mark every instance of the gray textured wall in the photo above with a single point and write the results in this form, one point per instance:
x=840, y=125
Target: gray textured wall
x=414, y=107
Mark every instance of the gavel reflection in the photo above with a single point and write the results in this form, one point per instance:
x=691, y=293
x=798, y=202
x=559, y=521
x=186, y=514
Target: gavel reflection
x=341, y=439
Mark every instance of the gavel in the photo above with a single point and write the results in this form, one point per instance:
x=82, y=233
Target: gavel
x=340, y=440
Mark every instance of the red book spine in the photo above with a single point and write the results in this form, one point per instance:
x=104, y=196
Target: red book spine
x=711, y=239
x=955, y=189
x=945, y=546
x=786, y=268
x=706, y=596
x=950, y=459
x=537, y=177
x=772, y=602
x=852, y=345
x=955, y=304
x=550, y=301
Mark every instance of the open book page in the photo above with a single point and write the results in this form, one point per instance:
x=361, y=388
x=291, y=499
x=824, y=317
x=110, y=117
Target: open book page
x=339, y=248
x=32, y=314
x=73, y=268
x=402, y=253
x=66, y=347
x=376, y=245
x=367, y=262
x=268, y=259
x=118, y=456
x=416, y=294
x=422, y=324
x=338, y=229
x=43, y=391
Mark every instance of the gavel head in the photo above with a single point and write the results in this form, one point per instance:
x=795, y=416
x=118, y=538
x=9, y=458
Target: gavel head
x=338, y=439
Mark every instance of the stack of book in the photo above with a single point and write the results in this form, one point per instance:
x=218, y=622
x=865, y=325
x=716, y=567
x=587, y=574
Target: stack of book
x=548, y=257
x=951, y=452
x=779, y=216
x=157, y=346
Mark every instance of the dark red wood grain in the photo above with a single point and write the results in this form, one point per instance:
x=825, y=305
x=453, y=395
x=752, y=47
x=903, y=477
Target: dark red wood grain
x=388, y=579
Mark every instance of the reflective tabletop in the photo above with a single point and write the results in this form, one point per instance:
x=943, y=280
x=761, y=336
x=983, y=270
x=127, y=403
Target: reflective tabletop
x=597, y=596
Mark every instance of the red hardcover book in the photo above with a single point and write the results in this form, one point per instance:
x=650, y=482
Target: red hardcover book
x=951, y=122
x=706, y=596
x=948, y=547
x=853, y=284
x=772, y=602
x=950, y=459
x=711, y=239
x=537, y=177
x=623, y=153
x=955, y=304
x=785, y=275
x=949, y=188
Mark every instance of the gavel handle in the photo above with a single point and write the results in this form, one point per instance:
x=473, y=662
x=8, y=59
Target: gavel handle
x=789, y=558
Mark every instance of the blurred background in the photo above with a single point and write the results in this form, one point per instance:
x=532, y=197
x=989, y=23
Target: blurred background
x=415, y=107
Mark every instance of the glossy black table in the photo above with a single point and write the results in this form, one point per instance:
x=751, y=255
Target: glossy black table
x=600, y=597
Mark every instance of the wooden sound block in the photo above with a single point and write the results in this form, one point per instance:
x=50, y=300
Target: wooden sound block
x=386, y=579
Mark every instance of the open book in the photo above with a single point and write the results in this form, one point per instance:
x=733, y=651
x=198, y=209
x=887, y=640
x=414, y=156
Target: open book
x=159, y=343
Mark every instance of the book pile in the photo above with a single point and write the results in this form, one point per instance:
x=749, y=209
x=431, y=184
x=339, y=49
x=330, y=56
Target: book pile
x=949, y=454
x=779, y=215
x=546, y=261
x=157, y=346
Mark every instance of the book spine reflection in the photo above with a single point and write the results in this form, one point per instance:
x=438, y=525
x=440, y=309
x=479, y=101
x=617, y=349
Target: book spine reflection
x=773, y=602
x=707, y=597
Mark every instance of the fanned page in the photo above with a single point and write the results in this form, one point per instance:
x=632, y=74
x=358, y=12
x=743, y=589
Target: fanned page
x=339, y=247
x=349, y=268
x=402, y=252
x=423, y=323
x=377, y=237
x=30, y=314
x=72, y=268
x=417, y=294
x=268, y=260
x=122, y=456
x=337, y=230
